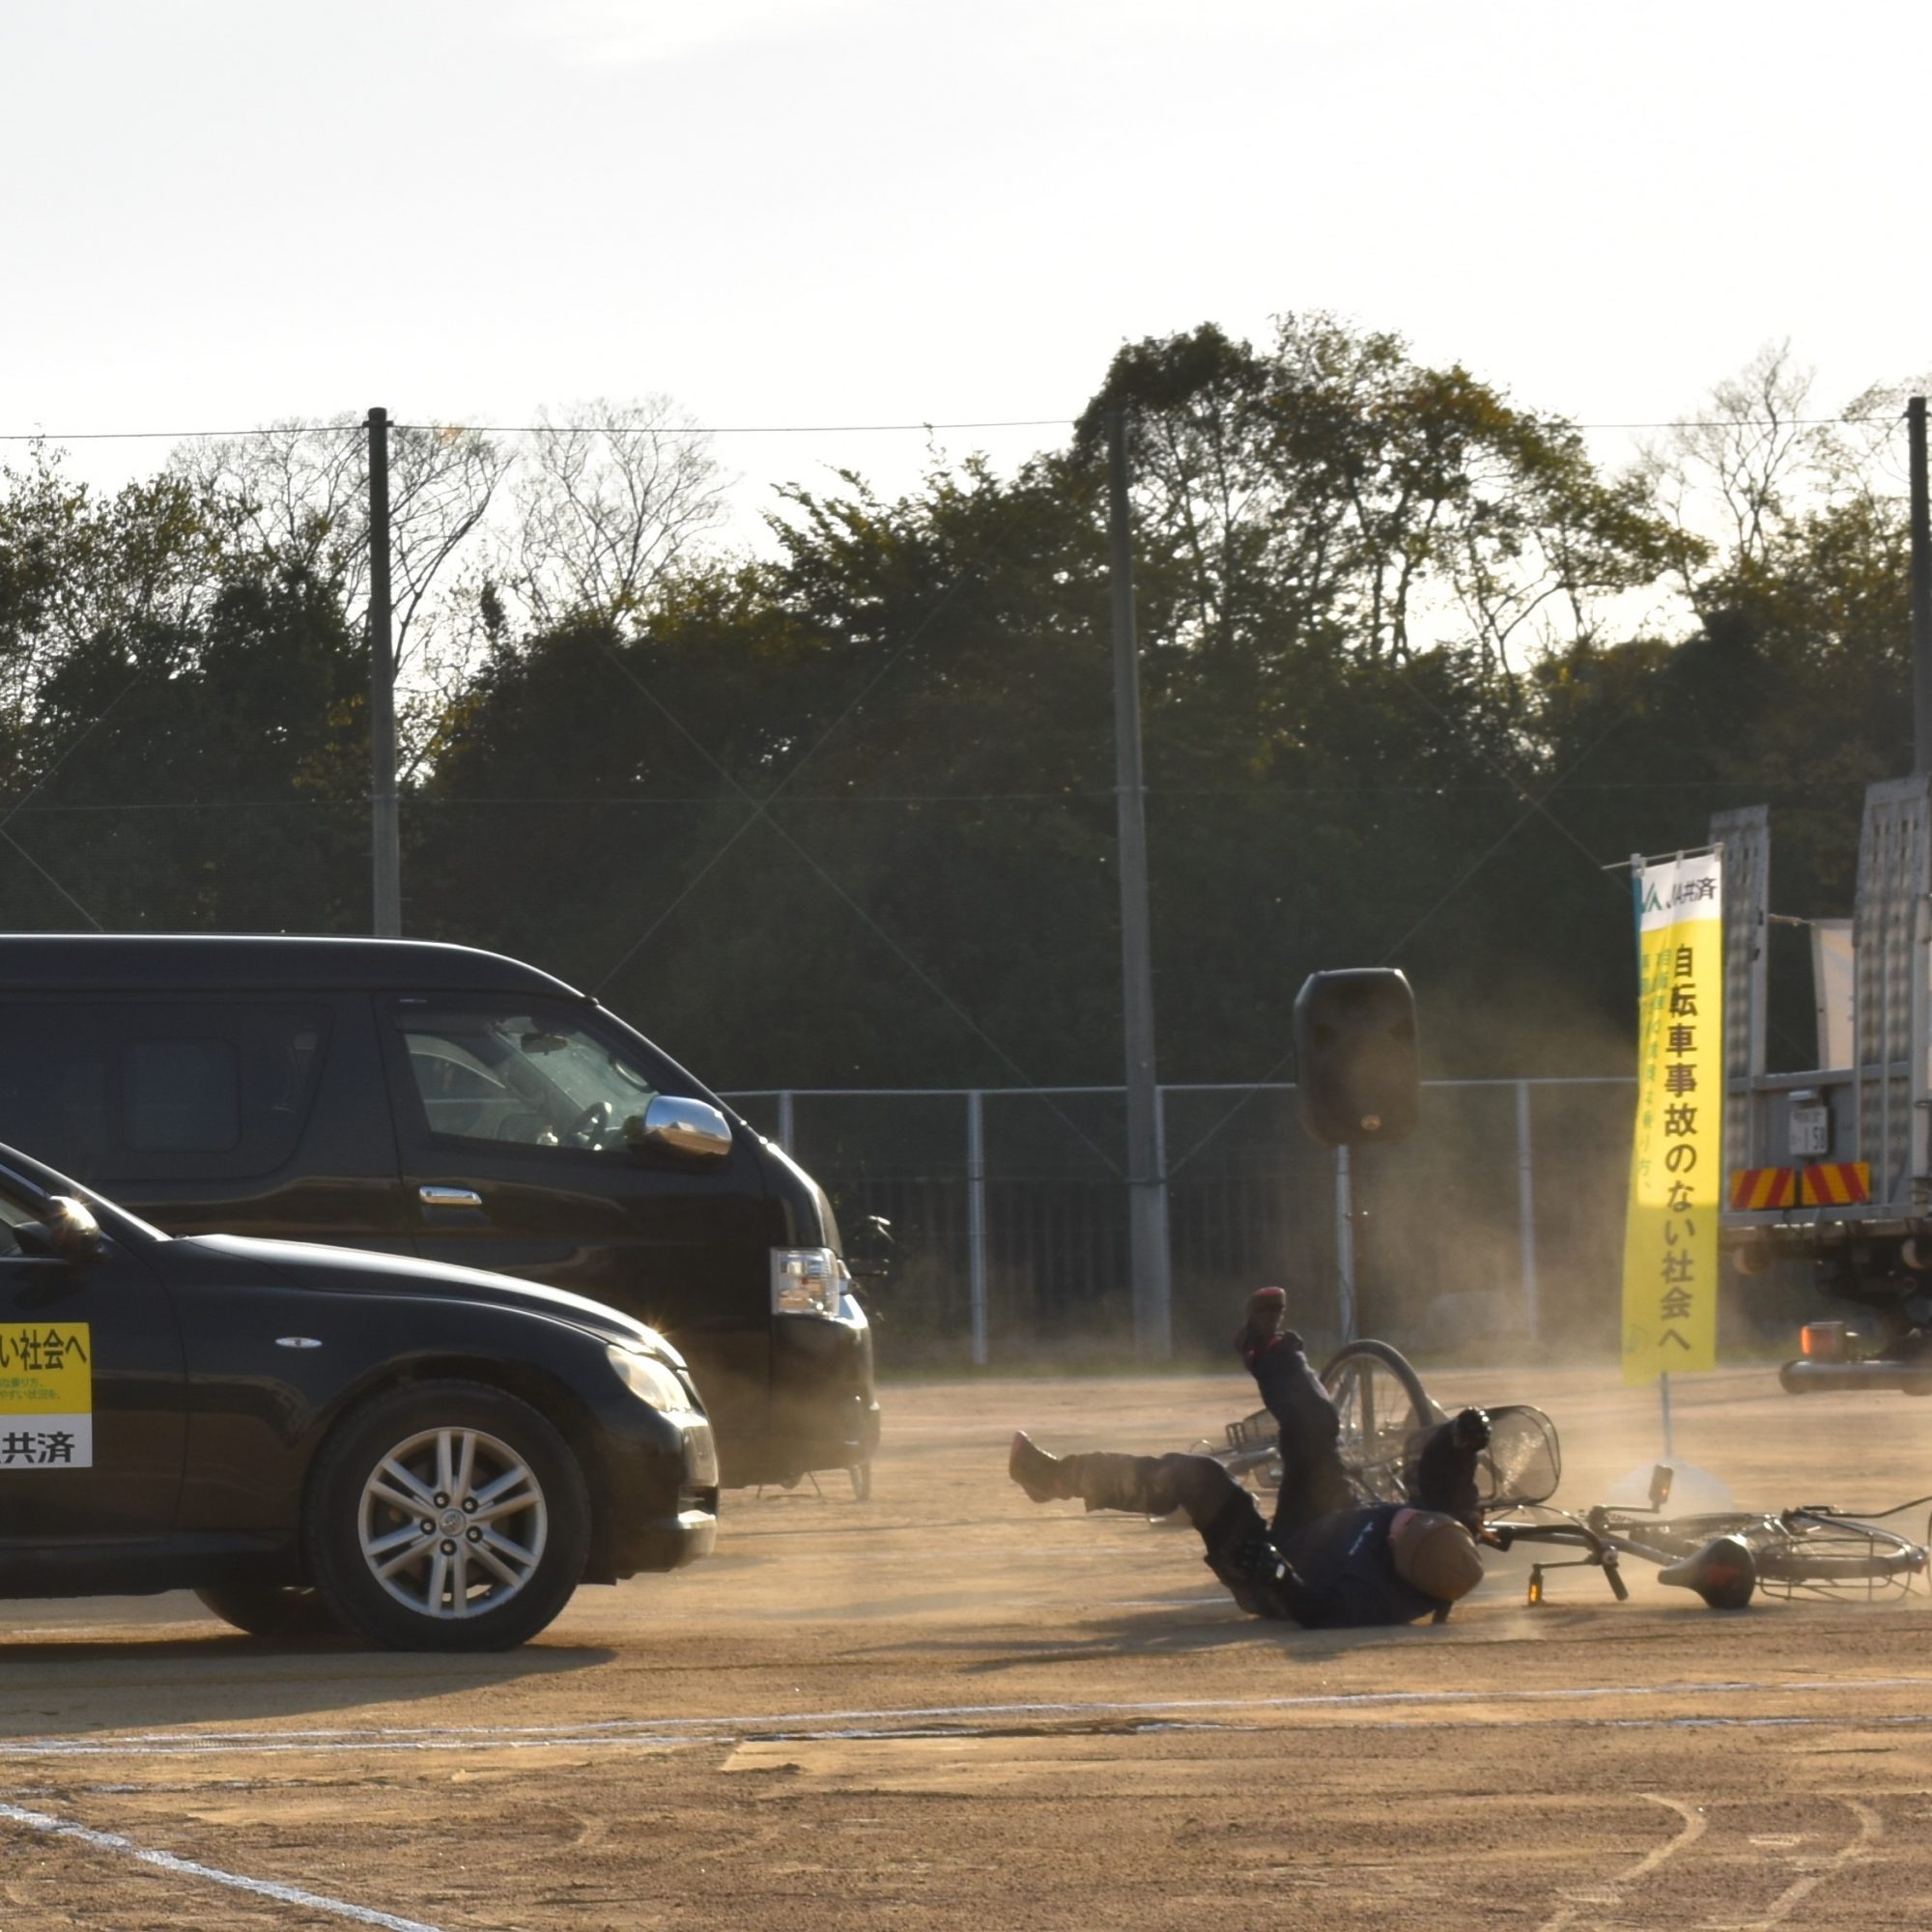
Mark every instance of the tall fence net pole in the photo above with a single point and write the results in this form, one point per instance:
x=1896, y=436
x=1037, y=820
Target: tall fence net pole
x=976, y=1220
x=1525, y=1209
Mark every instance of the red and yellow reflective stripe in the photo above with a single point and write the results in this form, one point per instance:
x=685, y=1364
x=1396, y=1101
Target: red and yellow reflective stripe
x=1756, y=1187
x=1834, y=1183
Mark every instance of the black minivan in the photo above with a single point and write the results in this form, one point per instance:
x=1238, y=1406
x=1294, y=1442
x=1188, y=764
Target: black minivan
x=452, y=1104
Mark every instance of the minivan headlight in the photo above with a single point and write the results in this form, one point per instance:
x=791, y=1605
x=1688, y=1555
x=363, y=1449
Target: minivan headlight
x=807, y=1281
x=647, y=1378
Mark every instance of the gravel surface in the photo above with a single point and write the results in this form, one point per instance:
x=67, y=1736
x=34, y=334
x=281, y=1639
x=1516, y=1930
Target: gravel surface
x=947, y=1708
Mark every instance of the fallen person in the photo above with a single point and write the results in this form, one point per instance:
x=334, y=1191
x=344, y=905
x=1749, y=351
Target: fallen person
x=1331, y=1558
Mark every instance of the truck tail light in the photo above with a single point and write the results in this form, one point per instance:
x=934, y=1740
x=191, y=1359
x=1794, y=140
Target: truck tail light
x=1823, y=1341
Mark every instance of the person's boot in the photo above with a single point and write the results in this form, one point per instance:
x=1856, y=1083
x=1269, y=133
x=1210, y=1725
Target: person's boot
x=1262, y=1325
x=1045, y=1478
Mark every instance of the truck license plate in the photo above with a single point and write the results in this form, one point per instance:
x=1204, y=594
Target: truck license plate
x=1811, y=1130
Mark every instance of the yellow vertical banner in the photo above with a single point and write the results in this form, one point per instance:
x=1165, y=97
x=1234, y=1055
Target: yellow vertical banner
x=1677, y=1166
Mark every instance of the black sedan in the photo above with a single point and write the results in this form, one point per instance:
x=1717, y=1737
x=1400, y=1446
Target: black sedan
x=429, y=1457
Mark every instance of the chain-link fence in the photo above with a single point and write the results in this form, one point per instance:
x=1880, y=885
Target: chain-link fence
x=1500, y=1220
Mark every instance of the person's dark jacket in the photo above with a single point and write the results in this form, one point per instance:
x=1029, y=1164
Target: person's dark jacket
x=1348, y=1575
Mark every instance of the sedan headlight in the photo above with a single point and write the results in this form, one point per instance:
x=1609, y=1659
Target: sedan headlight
x=807, y=1281
x=649, y=1378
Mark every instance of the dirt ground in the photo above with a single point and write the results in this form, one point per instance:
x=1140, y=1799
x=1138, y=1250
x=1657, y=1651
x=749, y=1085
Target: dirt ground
x=947, y=1708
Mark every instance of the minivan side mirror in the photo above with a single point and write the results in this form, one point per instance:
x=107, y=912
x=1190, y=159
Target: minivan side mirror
x=66, y=1231
x=670, y=1125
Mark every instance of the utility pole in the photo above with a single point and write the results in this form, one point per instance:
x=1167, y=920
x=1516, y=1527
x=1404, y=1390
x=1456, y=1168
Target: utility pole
x=384, y=826
x=1921, y=593
x=1146, y=1175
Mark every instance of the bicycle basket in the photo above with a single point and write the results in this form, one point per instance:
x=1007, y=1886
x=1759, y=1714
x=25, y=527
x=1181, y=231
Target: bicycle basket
x=1523, y=1464
x=1252, y=1431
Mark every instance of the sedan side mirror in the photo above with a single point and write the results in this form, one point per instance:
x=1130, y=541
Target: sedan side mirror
x=694, y=1128
x=67, y=1232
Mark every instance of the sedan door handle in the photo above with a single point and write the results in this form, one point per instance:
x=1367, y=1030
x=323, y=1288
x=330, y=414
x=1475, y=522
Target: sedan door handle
x=432, y=1196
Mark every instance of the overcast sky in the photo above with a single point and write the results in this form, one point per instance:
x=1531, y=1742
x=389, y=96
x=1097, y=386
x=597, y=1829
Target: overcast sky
x=796, y=212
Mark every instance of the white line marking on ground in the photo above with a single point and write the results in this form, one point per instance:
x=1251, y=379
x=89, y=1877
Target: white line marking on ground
x=269, y=1744
x=1869, y=1829
x=285, y=1894
x=1611, y=1891
x=952, y=1719
x=1721, y=1686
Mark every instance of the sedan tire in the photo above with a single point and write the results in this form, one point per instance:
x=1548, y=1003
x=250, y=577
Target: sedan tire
x=269, y=1611
x=447, y=1516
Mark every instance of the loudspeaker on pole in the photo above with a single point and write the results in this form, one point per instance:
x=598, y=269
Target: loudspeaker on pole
x=1357, y=1072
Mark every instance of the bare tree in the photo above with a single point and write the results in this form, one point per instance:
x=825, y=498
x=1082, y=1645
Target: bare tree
x=295, y=490
x=605, y=502
x=1867, y=455
x=1749, y=461
x=299, y=492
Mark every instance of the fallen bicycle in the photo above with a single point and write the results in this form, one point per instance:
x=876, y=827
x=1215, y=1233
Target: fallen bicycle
x=1725, y=1557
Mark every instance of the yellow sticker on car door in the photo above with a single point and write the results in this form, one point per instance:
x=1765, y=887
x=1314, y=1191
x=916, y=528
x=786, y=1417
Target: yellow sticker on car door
x=46, y=1396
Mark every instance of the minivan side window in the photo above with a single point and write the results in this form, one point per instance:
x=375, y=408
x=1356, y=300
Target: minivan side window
x=522, y=1078
x=181, y=1096
x=116, y=1091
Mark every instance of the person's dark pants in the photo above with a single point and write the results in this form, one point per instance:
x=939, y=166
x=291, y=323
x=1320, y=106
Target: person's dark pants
x=1198, y=1486
x=1314, y=1485
x=1317, y=1487
x=1319, y=1578
x=1239, y=1548
x=1445, y=1477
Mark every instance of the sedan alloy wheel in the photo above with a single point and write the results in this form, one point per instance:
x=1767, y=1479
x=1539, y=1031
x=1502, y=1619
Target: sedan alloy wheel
x=447, y=1516
x=453, y=1522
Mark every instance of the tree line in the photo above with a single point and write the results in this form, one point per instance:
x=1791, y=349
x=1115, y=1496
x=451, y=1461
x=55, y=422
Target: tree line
x=1415, y=670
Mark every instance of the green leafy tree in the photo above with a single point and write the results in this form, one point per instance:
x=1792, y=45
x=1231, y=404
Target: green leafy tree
x=202, y=776
x=1331, y=489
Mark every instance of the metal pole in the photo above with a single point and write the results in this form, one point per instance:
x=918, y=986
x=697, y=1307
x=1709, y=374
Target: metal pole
x=384, y=828
x=1921, y=593
x=784, y=1119
x=1914, y=1139
x=1344, y=1247
x=1525, y=1211
x=1160, y=1167
x=976, y=1220
x=1147, y=1180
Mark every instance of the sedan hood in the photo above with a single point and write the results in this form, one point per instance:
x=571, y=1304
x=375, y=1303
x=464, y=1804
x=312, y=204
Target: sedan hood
x=353, y=1270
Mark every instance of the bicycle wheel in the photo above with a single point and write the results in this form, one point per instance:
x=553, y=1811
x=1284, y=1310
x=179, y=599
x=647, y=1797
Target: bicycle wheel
x=1814, y=1553
x=1384, y=1410
x=1800, y=1552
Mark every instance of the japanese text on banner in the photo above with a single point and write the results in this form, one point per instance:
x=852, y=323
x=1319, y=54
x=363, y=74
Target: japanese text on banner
x=46, y=1397
x=1670, y=1234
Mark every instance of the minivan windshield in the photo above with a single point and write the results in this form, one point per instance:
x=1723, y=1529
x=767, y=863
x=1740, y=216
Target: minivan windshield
x=534, y=1080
